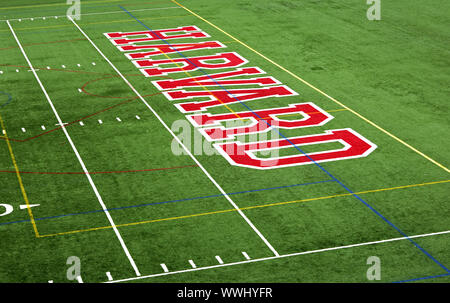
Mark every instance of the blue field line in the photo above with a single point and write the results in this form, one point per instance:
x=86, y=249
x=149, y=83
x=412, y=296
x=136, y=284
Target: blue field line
x=423, y=278
x=166, y=202
x=8, y=101
x=295, y=146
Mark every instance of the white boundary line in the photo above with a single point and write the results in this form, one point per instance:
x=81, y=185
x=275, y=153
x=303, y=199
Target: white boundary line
x=97, y=194
x=280, y=256
x=179, y=142
x=102, y=13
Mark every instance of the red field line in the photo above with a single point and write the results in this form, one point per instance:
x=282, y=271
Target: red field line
x=86, y=117
x=98, y=172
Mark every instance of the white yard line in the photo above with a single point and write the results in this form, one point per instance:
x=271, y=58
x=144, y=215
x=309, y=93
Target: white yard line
x=179, y=142
x=281, y=256
x=102, y=13
x=97, y=194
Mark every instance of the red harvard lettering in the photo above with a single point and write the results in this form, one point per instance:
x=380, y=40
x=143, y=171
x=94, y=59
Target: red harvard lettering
x=220, y=97
x=159, y=49
x=160, y=34
x=262, y=120
x=210, y=80
x=356, y=146
x=189, y=64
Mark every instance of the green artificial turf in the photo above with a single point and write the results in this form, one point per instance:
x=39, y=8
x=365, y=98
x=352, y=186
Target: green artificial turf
x=393, y=72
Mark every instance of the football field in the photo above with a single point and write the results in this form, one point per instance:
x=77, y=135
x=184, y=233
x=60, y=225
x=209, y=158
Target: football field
x=224, y=141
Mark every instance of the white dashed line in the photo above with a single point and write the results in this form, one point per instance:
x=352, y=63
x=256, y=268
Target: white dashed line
x=245, y=255
x=192, y=264
x=164, y=267
x=219, y=260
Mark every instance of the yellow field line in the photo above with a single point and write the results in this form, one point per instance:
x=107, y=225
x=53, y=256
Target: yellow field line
x=91, y=23
x=56, y=4
x=316, y=89
x=246, y=208
x=19, y=178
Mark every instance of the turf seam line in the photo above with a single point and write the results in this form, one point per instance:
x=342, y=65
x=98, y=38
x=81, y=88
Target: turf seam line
x=318, y=90
x=81, y=162
x=296, y=147
x=279, y=257
x=261, y=236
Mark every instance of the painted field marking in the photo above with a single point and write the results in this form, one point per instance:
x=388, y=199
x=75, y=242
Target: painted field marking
x=366, y=204
x=80, y=90
x=282, y=256
x=118, y=119
x=179, y=141
x=79, y=279
x=37, y=29
x=246, y=255
x=164, y=267
x=102, y=13
x=19, y=178
x=100, y=122
x=316, y=89
x=192, y=264
x=137, y=117
x=109, y=276
x=50, y=281
x=79, y=65
x=243, y=208
x=42, y=127
x=63, y=66
x=80, y=160
x=28, y=206
x=219, y=259
x=24, y=130
x=81, y=123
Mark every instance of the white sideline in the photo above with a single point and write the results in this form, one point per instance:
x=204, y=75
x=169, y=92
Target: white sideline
x=100, y=200
x=280, y=256
x=102, y=13
x=179, y=142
